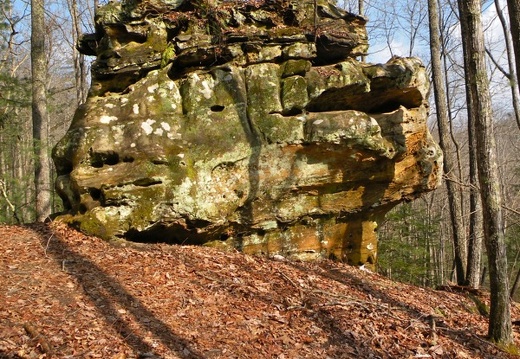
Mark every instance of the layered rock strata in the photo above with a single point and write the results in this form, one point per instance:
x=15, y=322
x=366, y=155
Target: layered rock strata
x=244, y=124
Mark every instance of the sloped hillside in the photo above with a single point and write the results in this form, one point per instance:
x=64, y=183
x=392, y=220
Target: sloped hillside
x=65, y=295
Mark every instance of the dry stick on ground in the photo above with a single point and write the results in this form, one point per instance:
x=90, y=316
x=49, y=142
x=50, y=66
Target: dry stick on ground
x=36, y=336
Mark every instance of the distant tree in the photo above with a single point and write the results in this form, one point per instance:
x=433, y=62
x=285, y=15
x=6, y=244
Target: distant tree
x=406, y=241
x=510, y=73
x=514, y=19
x=15, y=155
x=80, y=73
x=477, y=87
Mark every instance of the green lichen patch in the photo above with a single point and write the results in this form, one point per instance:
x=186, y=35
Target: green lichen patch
x=294, y=94
x=277, y=128
x=295, y=67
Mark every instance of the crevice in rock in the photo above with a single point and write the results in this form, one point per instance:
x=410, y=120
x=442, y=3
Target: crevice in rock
x=349, y=98
x=187, y=233
x=159, y=162
x=147, y=182
x=294, y=111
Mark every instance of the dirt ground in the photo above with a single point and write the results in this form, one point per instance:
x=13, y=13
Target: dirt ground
x=66, y=295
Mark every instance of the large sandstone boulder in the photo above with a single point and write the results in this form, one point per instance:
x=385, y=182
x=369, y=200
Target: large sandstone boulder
x=244, y=124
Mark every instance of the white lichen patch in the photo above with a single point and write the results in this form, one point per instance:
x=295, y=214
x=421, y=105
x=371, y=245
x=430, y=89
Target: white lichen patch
x=165, y=126
x=158, y=131
x=147, y=126
x=152, y=88
x=107, y=119
x=110, y=105
x=206, y=90
x=269, y=225
x=124, y=101
x=135, y=108
x=132, y=145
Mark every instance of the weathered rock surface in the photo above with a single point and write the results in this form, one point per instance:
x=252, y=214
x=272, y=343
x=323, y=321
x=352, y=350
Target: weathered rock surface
x=244, y=124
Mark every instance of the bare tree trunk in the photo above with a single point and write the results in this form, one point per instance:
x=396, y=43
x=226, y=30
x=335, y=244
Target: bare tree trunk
x=477, y=87
x=445, y=142
x=39, y=111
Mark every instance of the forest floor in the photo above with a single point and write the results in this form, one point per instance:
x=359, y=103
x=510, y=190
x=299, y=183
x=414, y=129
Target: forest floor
x=66, y=295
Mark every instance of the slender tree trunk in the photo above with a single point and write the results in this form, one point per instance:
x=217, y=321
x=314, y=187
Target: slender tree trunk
x=477, y=86
x=456, y=145
x=483, y=276
x=514, y=288
x=475, y=215
x=361, y=11
x=39, y=111
x=80, y=76
x=445, y=142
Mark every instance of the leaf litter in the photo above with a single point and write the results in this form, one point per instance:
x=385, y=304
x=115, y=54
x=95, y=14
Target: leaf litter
x=66, y=295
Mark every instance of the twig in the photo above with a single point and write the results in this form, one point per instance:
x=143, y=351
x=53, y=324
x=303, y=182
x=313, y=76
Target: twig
x=345, y=304
x=293, y=284
x=476, y=188
x=47, y=245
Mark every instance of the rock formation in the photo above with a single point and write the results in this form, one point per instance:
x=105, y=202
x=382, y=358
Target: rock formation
x=244, y=124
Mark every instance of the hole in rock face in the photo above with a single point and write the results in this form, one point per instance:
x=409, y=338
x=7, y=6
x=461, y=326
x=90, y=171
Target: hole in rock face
x=112, y=159
x=224, y=236
x=289, y=18
x=217, y=108
x=99, y=159
x=82, y=209
x=95, y=193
